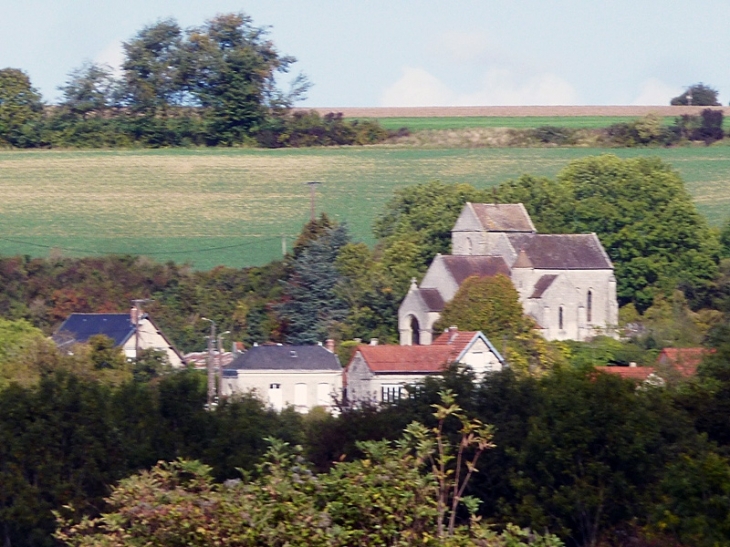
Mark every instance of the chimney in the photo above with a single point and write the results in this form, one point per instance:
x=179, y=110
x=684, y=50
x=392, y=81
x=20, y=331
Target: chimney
x=454, y=330
x=329, y=345
x=133, y=315
x=373, y=341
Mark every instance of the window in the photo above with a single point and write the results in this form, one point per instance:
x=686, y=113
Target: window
x=300, y=396
x=391, y=393
x=324, y=394
x=560, y=318
x=276, y=397
x=589, y=306
x=415, y=332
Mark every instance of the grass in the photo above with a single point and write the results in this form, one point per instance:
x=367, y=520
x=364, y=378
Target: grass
x=210, y=207
x=526, y=122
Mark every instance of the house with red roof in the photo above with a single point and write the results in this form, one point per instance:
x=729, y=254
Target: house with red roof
x=683, y=360
x=632, y=372
x=378, y=374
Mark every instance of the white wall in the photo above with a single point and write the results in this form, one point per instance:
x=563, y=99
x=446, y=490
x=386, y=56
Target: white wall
x=321, y=387
x=150, y=338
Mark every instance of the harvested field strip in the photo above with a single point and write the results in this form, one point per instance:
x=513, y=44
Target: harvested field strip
x=211, y=206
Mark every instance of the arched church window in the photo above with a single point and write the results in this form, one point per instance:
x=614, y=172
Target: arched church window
x=560, y=317
x=415, y=332
x=589, y=306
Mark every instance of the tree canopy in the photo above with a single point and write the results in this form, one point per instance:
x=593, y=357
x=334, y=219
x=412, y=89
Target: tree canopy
x=641, y=212
x=20, y=108
x=697, y=95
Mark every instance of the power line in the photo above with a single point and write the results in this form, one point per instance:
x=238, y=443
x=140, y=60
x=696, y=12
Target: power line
x=150, y=253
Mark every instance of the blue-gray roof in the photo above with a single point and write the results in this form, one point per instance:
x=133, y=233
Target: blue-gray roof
x=79, y=327
x=286, y=358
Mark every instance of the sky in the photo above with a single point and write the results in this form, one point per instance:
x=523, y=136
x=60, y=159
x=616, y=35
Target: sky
x=416, y=52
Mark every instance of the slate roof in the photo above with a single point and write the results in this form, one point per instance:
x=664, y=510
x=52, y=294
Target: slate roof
x=79, y=327
x=462, y=266
x=542, y=285
x=286, y=358
x=432, y=298
x=503, y=217
x=563, y=251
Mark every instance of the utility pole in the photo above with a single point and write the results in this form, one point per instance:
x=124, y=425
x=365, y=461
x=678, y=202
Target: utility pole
x=210, y=364
x=220, y=364
x=283, y=246
x=312, y=186
x=137, y=314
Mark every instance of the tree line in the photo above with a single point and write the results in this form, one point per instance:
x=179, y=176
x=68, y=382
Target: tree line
x=211, y=85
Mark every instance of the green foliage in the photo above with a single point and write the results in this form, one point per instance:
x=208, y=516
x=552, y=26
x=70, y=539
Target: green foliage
x=696, y=503
x=311, y=307
x=367, y=289
x=725, y=240
x=488, y=304
x=702, y=95
x=88, y=91
x=640, y=211
x=379, y=499
x=309, y=128
x=21, y=109
x=647, y=131
x=65, y=439
x=424, y=214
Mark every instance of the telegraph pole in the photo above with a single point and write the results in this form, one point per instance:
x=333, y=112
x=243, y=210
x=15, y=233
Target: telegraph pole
x=312, y=186
x=137, y=306
x=220, y=364
x=210, y=363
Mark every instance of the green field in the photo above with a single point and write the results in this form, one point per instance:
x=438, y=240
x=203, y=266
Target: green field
x=213, y=206
x=526, y=122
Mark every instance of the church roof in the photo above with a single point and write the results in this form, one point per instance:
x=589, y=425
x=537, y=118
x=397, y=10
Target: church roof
x=503, y=217
x=432, y=298
x=542, y=285
x=563, y=251
x=462, y=266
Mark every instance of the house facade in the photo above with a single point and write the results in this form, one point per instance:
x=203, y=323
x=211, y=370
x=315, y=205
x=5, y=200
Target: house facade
x=129, y=331
x=300, y=376
x=378, y=374
x=565, y=282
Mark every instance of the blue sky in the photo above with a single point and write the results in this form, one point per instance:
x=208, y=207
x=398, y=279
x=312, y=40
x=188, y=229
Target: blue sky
x=417, y=52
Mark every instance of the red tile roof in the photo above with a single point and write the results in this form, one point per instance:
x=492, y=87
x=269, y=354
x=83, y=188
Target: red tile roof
x=685, y=360
x=456, y=339
x=630, y=373
x=417, y=359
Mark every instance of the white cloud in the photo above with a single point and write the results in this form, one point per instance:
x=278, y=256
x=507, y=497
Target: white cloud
x=655, y=92
x=417, y=87
x=112, y=55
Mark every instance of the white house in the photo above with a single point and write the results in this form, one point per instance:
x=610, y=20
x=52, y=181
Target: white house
x=381, y=373
x=298, y=376
x=128, y=331
x=565, y=282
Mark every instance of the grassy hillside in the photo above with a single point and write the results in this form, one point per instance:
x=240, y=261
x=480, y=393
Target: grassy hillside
x=231, y=207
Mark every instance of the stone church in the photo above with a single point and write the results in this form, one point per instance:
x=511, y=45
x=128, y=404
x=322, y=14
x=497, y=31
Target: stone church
x=566, y=282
